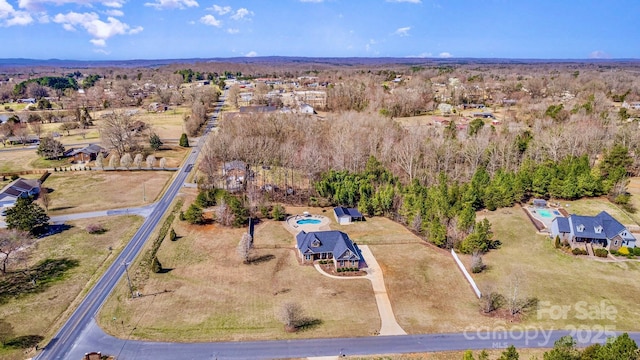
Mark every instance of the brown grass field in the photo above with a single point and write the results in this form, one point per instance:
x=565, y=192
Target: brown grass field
x=209, y=294
x=42, y=313
x=81, y=191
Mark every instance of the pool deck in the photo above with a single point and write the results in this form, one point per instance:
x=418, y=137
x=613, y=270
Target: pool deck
x=296, y=228
x=542, y=223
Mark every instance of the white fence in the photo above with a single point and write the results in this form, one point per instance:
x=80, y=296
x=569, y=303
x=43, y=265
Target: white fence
x=466, y=274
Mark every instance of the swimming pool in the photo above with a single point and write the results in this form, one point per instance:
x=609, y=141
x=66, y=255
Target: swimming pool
x=544, y=213
x=308, y=221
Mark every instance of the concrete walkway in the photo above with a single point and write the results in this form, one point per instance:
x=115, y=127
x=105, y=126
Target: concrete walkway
x=389, y=325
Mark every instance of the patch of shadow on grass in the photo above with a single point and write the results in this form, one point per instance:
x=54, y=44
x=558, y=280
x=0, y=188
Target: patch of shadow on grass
x=261, y=259
x=164, y=271
x=24, y=342
x=57, y=229
x=307, y=324
x=61, y=208
x=34, y=280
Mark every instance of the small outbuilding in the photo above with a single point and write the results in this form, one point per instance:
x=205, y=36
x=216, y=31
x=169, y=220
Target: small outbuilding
x=346, y=216
x=540, y=203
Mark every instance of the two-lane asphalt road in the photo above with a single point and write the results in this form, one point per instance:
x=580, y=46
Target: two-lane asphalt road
x=80, y=334
x=68, y=337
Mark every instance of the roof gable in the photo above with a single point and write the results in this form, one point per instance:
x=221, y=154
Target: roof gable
x=331, y=241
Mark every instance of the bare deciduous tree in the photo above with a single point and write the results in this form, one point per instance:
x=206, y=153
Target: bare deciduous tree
x=245, y=247
x=100, y=160
x=114, y=161
x=290, y=314
x=11, y=242
x=116, y=132
x=126, y=160
x=137, y=160
x=45, y=198
x=151, y=160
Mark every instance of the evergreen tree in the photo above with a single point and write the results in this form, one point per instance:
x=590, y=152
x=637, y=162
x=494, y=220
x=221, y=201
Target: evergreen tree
x=194, y=215
x=156, y=267
x=26, y=215
x=155, y=142
x=563, y=349
x=184, y=140
x=510, y=354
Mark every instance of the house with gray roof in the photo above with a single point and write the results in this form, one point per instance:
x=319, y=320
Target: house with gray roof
x=17, y=189
x=328, y=245
x=602, y=229
x=86, y=154
x=347, y=215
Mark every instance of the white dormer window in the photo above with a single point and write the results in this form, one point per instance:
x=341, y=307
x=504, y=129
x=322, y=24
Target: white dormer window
x=580, y=228
x=316, y=243
x=598, y=229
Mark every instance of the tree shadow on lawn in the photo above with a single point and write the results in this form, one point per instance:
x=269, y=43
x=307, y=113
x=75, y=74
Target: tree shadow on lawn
x=59, y=208
x=34, y=280
x=56, y=229
x=24, y=342
x=261, y=259
x=306, y=324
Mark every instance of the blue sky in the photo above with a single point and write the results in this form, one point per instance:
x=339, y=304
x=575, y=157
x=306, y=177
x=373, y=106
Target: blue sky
x=168, y=29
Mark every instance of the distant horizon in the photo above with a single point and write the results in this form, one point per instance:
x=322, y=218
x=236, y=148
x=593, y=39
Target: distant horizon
x=254, y=58
x=117, y=30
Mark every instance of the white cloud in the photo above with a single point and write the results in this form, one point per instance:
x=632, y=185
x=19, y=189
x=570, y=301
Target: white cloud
x=599, y=54
x=403, y=31
x=172, y=4
x=233, y=31
x=444, y=55
x=241, y=13
x=10, y=17
x=114, y=12
x=39, y=4
x=251, y=54
x=101, y=51
x=98, y=42
x=100, y=30
x=220, y=10
x=405, y=1
x=210, y=20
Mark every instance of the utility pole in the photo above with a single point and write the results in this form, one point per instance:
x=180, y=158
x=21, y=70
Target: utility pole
x=144, y=196
x=126, y=270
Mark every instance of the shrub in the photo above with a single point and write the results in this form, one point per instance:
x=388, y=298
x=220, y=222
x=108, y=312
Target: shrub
x=558, y=244
x=95, y=228
x=578, y=251
x=265, y=211
x=184, y=140
x=194, y=215
x=636, y=251
x=181, y=216
x=172, y=235
x=278, y=213
x=623, y=251
x=601, y=253
x=156, y=267
x=476, y=263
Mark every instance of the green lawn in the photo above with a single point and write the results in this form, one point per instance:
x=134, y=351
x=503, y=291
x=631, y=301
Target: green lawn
x=557, y=278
